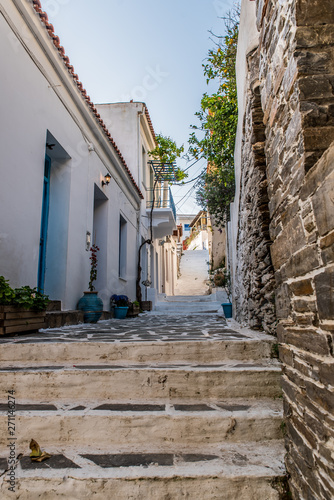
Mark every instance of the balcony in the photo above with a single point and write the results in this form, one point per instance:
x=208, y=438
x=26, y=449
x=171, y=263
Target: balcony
x=164, y=211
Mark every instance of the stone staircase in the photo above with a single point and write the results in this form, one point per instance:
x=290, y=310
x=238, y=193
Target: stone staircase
x=146, y=420
x=187, y=304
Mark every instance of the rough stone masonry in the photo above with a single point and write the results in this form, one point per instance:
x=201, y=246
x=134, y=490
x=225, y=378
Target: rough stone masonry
x=286, y=238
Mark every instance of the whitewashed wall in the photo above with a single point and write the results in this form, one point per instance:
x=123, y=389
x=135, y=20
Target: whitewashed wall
x=39, y=95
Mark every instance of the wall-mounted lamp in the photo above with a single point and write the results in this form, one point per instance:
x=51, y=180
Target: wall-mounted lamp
x=107, y=178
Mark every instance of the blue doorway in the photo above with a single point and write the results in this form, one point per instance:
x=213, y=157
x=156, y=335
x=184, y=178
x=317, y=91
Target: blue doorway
x=44, y=224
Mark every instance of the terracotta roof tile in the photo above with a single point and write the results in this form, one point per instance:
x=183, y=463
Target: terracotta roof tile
x=56, y=41
x=149, y=121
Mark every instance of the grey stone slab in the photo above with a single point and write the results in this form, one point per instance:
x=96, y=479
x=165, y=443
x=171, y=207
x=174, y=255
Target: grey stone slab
x=195, y=407
x=3, y=464
x=192, y=457
x=248, y=365
x=229, y=407
x=130, y=407
x=30, y=368
x=55, y=462
x=221, y=365
x=131, y=460
x=29, y=407
x=100, y=367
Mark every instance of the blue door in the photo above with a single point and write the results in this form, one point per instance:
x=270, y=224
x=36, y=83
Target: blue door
x=44, y=224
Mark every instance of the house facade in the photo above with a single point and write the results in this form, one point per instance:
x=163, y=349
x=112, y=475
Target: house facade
x=65, y=184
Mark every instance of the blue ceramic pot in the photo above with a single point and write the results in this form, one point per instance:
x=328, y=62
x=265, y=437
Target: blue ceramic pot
x=120, y=312
x=92, y=306
x=227, y=309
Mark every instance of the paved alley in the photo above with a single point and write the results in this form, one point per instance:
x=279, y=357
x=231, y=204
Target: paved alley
x=194, y=273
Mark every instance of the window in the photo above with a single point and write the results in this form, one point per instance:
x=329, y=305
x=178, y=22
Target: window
x=122, y=248
x=187, y=227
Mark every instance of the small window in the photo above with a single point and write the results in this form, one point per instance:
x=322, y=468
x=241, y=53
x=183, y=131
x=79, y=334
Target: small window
x=122, y=247
x=187, y=227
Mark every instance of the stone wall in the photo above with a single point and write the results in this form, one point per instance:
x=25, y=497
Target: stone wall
x=255, y=283
x=296, y=72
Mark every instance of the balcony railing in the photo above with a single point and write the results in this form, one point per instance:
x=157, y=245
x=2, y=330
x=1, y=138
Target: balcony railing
x=163, y=198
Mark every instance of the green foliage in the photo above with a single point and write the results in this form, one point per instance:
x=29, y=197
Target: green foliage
x=30, y=298
x=218, y=118
x=24, y=297
x=7, y=294
x=166, y=150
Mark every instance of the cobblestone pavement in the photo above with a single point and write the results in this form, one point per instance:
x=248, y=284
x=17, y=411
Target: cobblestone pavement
x=146, y=327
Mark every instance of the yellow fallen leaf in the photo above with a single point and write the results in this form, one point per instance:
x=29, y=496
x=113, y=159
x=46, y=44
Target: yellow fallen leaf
x=35, y=449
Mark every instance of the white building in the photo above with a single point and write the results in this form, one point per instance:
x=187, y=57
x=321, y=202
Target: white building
x=55, y=153
x=131, y=127
x=185, y=220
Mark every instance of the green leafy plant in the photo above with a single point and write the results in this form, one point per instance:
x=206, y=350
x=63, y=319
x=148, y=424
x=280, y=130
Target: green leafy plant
x=214, y=138
x=24, y=297
x=7, y=294
x=166, y=150
x=30, y=298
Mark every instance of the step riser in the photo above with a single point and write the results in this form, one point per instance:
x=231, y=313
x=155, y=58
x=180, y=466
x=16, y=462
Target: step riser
x=163, y=352
x=99, y=432
x=170, y=488
x=104, y=385
x=184, y=308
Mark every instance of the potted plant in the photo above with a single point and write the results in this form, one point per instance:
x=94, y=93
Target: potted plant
x=134, y=309
x=21, y=309
x=120, y=305
x=90, y=303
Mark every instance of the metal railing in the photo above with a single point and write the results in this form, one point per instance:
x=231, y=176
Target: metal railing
x=163, y=199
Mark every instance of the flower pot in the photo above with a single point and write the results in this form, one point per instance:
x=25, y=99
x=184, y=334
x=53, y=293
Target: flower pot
x=92, y=306
x=16, y=320
x=120, y=312
x=227, y=309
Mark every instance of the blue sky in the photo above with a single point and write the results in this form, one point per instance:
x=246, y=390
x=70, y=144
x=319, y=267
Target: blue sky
x=147, y=50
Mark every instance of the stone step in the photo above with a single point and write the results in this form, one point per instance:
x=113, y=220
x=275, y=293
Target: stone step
x=56, y=318
x=54, y=305
x=65, y=349
x=188, y=307
x=188, y=298
x=230, y=379
x=171, y=426
x=229, y=472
